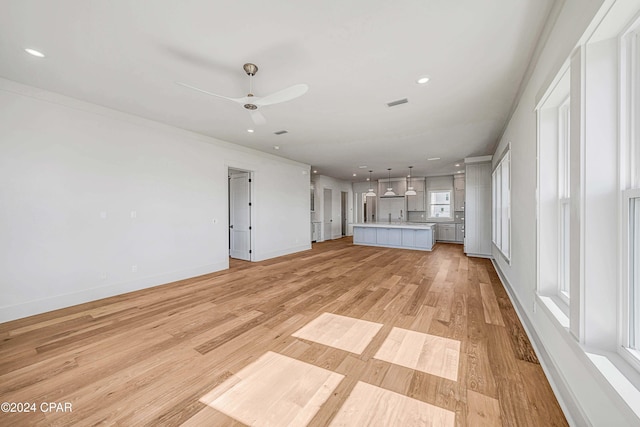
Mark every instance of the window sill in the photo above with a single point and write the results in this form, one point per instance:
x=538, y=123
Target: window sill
x=617, y=372
x=557, y=308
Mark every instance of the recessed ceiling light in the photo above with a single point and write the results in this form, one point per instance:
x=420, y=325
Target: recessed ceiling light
x=368, y=179
x=34, y=53
x=362, y=167
x=457, y=164
x=250, y=130
x=355, y=174
x=460, y=171
x=422, y=80
x=434, y=158
x=276, y=147
x=315, y=171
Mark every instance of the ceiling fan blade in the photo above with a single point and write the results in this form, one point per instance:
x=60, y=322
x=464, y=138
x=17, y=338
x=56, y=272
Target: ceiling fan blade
x=238, y=100
x=257, y=117
x=283, y=95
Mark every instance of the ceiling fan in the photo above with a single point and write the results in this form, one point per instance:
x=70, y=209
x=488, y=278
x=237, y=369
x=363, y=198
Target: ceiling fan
x=251, y=102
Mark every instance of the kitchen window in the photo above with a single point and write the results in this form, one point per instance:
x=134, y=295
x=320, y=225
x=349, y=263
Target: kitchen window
x=440, y=204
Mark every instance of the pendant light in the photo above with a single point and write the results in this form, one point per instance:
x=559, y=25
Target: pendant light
x=410, y=191
x=370, y=193
x=389, y=189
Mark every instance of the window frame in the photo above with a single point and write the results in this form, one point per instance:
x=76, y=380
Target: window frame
x=501, y=204
x=564, y=201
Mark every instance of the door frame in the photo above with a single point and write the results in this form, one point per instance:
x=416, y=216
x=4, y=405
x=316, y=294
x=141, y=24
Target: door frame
x=229, y=170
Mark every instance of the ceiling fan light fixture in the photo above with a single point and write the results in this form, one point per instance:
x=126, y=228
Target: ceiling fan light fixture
x=250, y=69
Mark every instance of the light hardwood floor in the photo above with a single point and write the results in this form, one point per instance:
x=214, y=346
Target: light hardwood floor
x=184, y=352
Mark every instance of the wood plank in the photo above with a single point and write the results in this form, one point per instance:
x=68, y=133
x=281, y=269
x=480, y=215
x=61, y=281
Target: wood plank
x=490, y=305
x=483, y=411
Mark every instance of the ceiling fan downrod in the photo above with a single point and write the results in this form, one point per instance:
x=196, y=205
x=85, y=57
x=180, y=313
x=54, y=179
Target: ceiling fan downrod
x=251, y=70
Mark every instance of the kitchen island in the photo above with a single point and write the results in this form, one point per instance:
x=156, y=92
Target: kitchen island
x=402, y=235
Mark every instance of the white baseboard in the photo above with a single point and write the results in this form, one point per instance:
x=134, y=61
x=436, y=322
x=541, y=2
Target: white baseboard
x=268, y=255
x=38, y=306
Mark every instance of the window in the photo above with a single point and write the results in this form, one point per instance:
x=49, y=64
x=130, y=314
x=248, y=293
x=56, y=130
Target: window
x=501, y=212
x=554, y=194
x=630, y=345
x=439, y=204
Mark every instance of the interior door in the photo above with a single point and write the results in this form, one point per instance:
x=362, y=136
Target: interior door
x=239, y=216
x=328, y=219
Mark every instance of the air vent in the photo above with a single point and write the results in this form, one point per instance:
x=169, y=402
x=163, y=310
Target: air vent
x=398, y=102
x=281, y=132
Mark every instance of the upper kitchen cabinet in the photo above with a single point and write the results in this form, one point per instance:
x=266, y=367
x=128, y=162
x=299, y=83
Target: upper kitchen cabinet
x=458, y=192
x=417, y=203
x=397, y=185
x=458, y=182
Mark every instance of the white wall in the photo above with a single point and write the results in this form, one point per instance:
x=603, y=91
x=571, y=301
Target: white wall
x=337, y=186
x=72, y=173
x=585, y=393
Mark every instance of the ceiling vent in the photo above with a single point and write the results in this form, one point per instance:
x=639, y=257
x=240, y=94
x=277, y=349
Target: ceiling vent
x=398, y=102
x=281, y=132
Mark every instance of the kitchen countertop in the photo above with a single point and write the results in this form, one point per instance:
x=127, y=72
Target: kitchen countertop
x=409, y=225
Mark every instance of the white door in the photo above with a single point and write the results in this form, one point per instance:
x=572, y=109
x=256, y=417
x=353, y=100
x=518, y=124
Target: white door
x=328, y=220
x=239, y=216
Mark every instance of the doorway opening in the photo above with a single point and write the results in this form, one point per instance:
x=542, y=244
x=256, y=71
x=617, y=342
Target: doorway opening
x=343, y=212
x=240, y=231
x=368, y=208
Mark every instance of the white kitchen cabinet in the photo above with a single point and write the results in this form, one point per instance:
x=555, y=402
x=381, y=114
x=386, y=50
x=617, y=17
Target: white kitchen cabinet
x=477, y=212
x=367, y=236
x=458, y=200
x=446, y=232
x=404, y=236
x=458, y=192
x=460, y=233
x=423, y=239
x=389, y=236
x=417, y=203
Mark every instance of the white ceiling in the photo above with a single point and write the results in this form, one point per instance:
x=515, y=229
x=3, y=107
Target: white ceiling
x=355, y=55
